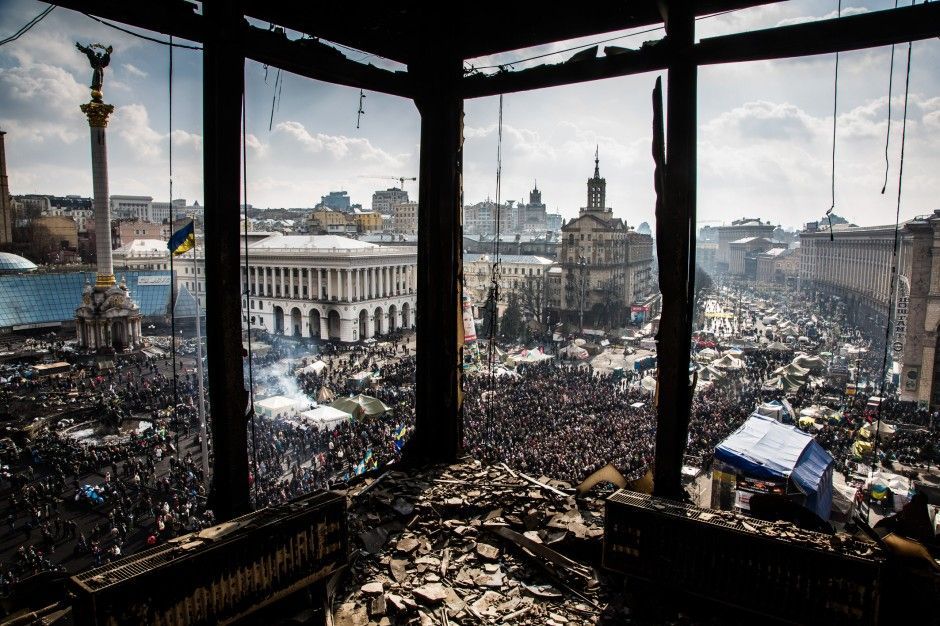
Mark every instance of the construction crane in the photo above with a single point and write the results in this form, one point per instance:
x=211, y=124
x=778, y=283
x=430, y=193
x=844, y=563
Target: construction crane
x=401, y=179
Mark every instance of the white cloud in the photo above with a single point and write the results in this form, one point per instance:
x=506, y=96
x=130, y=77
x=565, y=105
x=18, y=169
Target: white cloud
x=846, y=11
x=133, y=70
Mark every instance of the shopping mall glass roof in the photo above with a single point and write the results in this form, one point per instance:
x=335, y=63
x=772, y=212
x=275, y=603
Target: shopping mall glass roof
x=10, y=262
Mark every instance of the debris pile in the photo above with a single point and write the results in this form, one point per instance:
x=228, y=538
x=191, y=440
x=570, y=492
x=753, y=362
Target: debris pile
x=472, y=544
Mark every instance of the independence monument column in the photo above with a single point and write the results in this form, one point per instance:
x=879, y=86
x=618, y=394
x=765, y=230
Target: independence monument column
x=107, y=319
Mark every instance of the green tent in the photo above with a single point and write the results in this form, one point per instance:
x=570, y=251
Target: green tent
x=361, y=405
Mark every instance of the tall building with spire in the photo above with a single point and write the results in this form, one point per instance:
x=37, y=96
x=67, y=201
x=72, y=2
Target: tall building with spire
x=532, y=214
x=597, y=192
x=606, y=267
x=6, y=201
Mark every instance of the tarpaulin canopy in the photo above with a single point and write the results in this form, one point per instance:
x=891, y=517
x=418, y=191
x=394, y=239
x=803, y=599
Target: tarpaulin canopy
x=783, y=383
x=711, y=373
x=809, y=362
x=764, y=448
x=728, y=362
x=360, y=405
x=777, y=346
x=324, y=417
x=793, y=370
x=313, y=368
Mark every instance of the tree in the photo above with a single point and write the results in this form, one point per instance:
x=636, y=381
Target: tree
x=511, y=326
x=703, y=281
x=532, y=298
x=611, y=307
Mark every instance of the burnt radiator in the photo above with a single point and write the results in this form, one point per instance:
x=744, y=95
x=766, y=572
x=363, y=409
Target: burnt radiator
x=754, y=566
x=221, y=574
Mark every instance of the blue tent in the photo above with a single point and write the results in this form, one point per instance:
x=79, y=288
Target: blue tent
x=764, y=448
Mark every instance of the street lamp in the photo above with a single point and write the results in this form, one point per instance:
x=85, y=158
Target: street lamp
x=582, y=262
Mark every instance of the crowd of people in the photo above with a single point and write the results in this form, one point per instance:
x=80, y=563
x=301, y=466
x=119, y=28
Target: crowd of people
x=118, y=492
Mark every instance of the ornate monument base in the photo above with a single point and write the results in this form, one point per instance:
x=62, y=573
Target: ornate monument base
x=108, y=319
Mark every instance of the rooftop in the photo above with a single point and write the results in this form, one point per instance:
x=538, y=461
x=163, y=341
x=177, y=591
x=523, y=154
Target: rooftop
x=311, y=242
x=12, y=263
x=512, y=259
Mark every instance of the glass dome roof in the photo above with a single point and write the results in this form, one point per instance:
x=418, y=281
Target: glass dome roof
x=10, y=262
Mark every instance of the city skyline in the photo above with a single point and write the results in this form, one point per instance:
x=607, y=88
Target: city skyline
x=764, y=128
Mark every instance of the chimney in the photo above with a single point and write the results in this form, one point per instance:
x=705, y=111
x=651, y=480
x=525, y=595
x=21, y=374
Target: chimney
x=6, y=202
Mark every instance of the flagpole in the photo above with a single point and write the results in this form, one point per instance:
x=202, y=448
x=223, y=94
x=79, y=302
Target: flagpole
x=199, y=372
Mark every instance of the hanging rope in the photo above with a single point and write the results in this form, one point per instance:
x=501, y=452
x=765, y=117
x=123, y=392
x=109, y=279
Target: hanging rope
x=492, y=299
x=888, y=135
x=247, y=292
x=895, y=273
x=362, y=97
x=835, y=110
x=176, y=399
x=275, y=96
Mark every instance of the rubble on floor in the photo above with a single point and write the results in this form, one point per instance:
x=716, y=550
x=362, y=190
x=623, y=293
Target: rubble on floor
x=472, y=544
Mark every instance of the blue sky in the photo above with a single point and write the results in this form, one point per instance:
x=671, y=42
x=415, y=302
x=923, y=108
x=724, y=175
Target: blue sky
x=764, y=135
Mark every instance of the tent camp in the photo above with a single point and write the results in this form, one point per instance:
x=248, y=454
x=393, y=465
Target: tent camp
x=316, y=367
x=707, y=355
x=573, y=351
x=361, y=405
x=324, y=417
x=710, y=373
x=786, y=384
x=812, y=363
x=728, y=362
x=764, y=449
x=776, y=409
x=793, y=370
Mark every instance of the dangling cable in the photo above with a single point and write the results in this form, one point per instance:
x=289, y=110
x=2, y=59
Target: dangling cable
x=492, y=300
x=895, y=272
x=176, y=399
x=888, y=135
x=275, y=96
x=835, y=110
x=251, y=375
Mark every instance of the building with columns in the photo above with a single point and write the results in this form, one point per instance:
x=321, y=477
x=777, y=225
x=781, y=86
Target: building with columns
x=852, y=267
x=329, y=287
x=744, y=228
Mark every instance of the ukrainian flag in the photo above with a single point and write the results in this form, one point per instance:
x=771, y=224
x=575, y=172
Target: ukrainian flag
x=183, y=239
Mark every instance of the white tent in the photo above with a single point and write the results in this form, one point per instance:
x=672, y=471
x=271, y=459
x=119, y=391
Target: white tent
x=648, y=383
x=808, y=362
x=324, y=417
x=707, y=354
x=313, y=368
x=728, y=362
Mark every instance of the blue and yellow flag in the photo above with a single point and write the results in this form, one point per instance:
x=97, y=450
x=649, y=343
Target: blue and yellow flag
x=183, y=239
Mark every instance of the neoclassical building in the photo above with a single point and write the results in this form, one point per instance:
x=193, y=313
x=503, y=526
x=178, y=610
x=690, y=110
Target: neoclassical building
x=854, y=264
x=329, y=287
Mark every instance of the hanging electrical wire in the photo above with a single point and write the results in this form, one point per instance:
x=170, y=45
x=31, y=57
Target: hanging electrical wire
x=895, y=271
x=247, y=294
x=492, y=298
x=888, y=134
x=142, y=36
x=835, y=111
x=362, y=97
x=275, y=96
x=173, y=294
x=25, y=28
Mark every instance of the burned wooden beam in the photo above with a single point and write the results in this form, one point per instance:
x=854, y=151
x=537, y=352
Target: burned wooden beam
x=853, y=32
x=316, y=60
x=438, y=432
x=223, y=86
x=650, y=58
x=304, y=57
x=675, y=225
